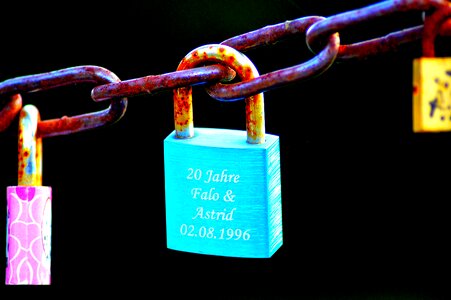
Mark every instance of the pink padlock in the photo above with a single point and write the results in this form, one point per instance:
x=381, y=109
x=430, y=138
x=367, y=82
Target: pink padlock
x=29, y=211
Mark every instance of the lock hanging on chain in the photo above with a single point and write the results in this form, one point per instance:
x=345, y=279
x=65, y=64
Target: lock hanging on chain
x=432, y=80
x=29, y=210
x=222, y=186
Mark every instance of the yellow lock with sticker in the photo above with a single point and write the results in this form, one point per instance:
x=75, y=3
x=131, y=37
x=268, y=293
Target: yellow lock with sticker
x=432, y=94
x=432, y=81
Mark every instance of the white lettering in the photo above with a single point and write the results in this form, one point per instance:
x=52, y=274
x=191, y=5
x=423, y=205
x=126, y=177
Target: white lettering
x=214, y=215
x=221, y=177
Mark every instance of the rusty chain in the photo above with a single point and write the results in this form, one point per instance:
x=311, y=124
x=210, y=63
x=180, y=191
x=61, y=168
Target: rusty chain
x=322, y=39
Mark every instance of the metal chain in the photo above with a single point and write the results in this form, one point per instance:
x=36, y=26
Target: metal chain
x=320, y=32
x=64, y=77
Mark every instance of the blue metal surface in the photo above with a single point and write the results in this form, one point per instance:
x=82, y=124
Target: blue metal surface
x=223, y=194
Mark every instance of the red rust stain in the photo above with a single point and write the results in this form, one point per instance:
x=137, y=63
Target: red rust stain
x=183, y=123
x=183, y=103
x=231, y=60
x=239, y=69
x=26, y=154
x=415, y=90
x=221, y=49
x=65, y=123
x=247, y=73
x=342, y=49
x=183, y=106
x=187, y=61
x=248, y=111
x=252, y=126
x=182, y=65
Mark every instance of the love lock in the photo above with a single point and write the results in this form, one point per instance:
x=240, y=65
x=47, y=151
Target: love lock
x=223, y=186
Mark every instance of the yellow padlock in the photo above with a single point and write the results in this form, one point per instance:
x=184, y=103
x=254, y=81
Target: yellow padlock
x=432, y=81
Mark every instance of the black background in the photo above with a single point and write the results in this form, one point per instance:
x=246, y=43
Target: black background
x=364, y=199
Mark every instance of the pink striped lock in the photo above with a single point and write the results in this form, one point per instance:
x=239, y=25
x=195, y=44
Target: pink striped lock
x=29, y=227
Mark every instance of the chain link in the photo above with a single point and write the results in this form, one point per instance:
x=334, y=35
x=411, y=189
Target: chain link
x=431, y=28
x=59, y=78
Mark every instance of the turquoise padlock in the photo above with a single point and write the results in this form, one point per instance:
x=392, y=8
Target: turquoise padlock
x=222, y=186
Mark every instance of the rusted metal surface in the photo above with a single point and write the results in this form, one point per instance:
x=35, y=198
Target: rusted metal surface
x=64, y=77
x=432, y=25
x=183, y=105
x=9, y=112
x=322, y=38
x=321, y=30
x=377, y=46
x=153, y=84
x=314, y=67
x=271, y=34
x=257, y=38
x=29, y=147
x=317, y=30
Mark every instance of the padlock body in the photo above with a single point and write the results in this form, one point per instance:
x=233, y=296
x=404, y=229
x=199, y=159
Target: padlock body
x=223, y=195
x=29, y=226
x=432, y=94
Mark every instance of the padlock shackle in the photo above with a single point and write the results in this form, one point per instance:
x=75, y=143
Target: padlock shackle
x=245, y=70
x=432, y=24
x=30, y=147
